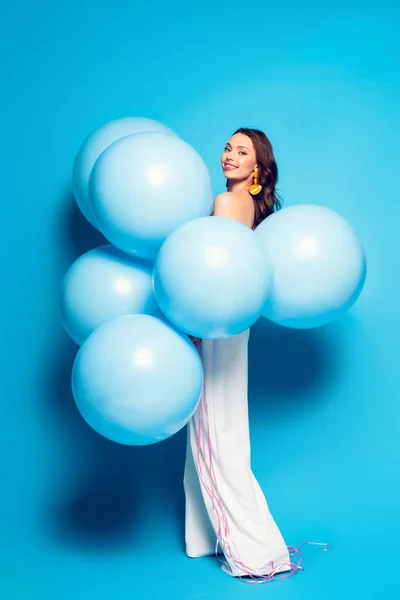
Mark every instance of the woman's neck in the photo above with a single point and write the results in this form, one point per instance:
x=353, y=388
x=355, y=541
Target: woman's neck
x=238, y=186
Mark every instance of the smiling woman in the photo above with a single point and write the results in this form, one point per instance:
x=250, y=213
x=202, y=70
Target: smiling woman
x=225, y=505
x=250, y=167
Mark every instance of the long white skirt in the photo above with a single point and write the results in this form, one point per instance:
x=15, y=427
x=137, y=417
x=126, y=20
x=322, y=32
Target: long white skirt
x=225, y=506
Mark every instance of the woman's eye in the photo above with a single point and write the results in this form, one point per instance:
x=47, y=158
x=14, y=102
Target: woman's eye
x=226, y=149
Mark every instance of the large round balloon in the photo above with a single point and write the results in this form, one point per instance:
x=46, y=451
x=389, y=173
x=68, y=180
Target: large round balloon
x=136, y=380
x=93, y=146
x=102, y=284
x=211, y=277
x=146, y=185
x=319, y=265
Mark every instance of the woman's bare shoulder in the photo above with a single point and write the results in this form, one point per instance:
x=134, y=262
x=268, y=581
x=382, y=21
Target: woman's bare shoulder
x=234, y=199
x=227, y=198
x=235, y=205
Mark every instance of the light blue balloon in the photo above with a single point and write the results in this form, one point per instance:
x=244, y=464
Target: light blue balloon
x=319, y=265
x=136, y=380
x=102, y=284
x=146, y=185
x=211, y=277
x=94, y=144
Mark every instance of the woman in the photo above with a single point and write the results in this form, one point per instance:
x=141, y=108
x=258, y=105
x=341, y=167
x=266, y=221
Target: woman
x=225, y=505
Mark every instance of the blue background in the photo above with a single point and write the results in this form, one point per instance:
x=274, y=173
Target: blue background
x=82, y=517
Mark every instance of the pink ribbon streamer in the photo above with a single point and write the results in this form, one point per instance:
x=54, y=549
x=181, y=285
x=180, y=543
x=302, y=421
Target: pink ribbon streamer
x=223, y=533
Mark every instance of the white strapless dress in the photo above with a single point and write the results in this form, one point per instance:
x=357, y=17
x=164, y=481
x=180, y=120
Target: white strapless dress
x=225, y=506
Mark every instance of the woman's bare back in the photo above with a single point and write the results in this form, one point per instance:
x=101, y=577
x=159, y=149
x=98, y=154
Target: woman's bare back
x=248, y=208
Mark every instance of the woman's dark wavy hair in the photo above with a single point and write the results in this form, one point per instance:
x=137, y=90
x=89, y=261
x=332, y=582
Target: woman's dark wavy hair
x=268, y=200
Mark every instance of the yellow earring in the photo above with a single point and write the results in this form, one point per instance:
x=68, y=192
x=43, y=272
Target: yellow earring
x=256, y=187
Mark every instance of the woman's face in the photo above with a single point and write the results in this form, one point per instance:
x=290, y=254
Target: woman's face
x=238, y=159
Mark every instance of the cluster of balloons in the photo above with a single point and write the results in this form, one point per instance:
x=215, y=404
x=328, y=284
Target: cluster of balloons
x=171, y=270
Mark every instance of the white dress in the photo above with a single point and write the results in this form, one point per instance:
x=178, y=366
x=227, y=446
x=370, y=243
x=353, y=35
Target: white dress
x=225, y=506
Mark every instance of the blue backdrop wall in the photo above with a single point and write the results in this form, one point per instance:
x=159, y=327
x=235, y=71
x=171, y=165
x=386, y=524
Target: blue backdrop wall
x=82, y=517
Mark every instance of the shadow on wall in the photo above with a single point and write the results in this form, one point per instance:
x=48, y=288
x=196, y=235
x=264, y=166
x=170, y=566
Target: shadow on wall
x=109, y=492
x=291, y=367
